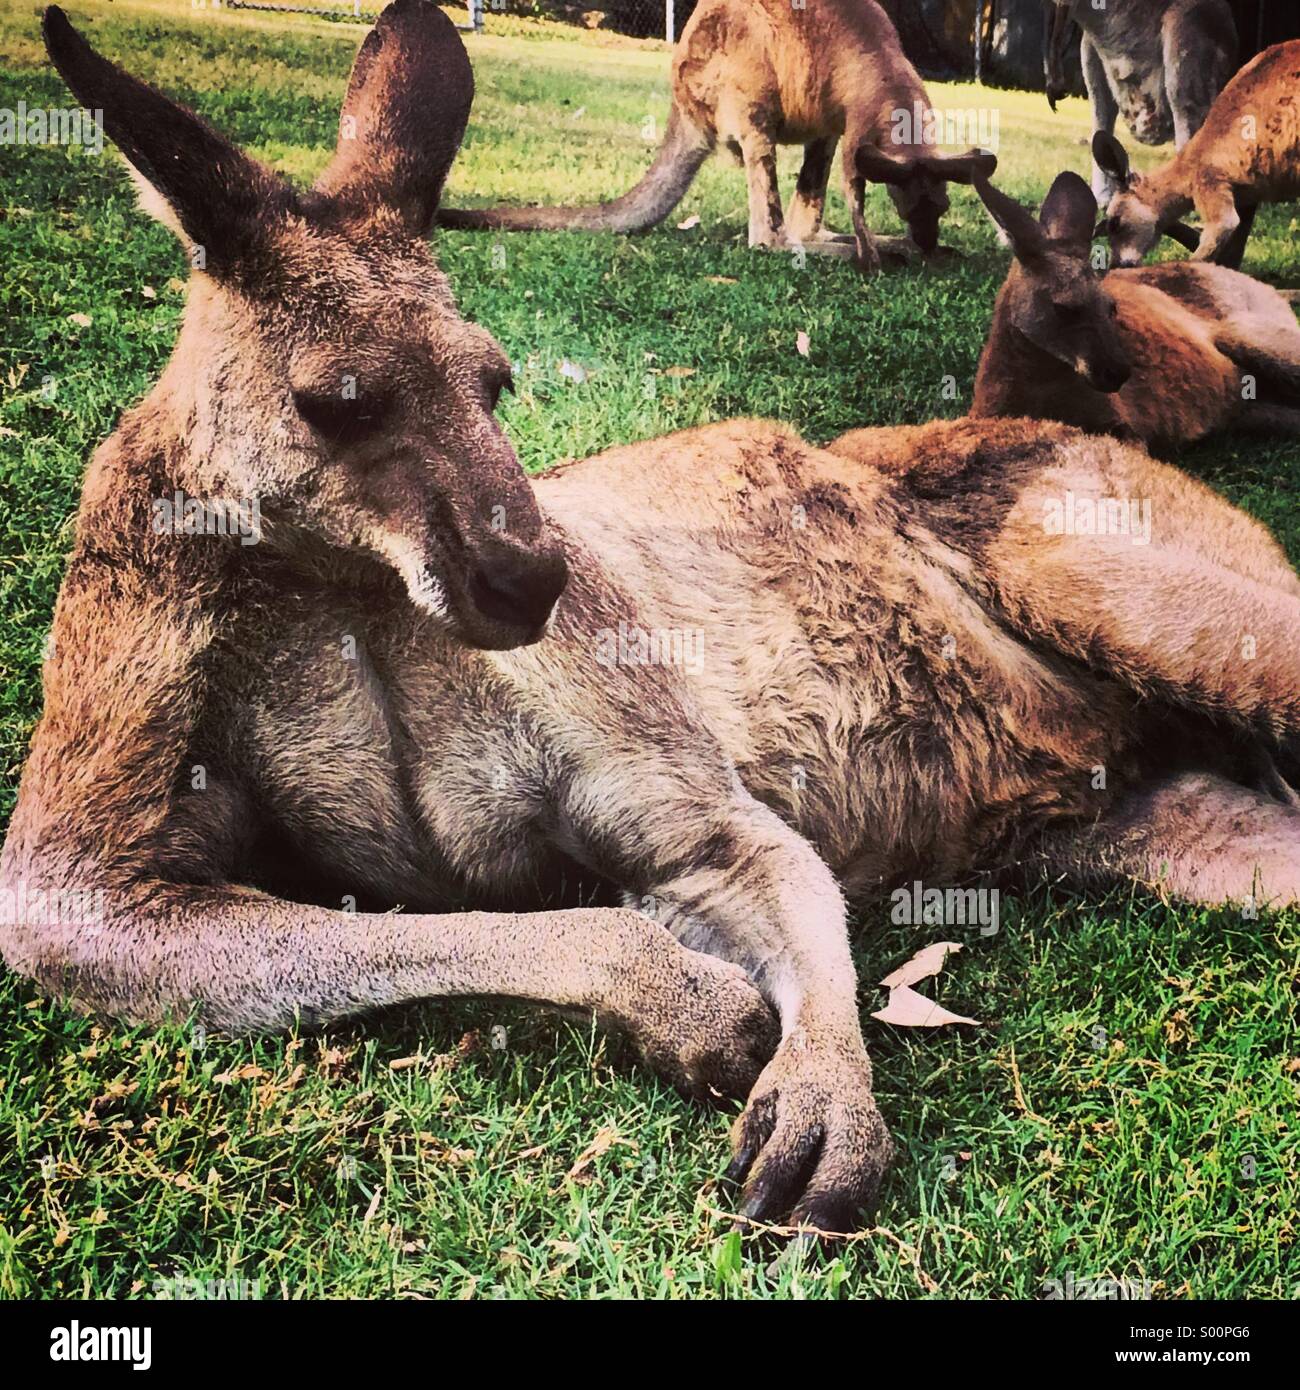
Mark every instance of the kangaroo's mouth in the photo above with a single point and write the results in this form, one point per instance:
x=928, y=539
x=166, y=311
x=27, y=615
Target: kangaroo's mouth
x=494, y=597
x=1107, y=377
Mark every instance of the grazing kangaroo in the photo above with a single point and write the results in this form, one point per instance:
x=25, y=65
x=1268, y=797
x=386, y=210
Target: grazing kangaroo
x=750, y=75
x=1158, y=63
x=1247, y=152
x=1165, y=353
x=901, y=670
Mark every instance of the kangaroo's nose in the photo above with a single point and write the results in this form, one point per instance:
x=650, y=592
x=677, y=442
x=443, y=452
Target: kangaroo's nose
x=520, y=590
x=1112, y=376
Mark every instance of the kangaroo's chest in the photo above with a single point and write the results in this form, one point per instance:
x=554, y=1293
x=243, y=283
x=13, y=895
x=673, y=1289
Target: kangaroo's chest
x=1136, y=75
x=378, y=772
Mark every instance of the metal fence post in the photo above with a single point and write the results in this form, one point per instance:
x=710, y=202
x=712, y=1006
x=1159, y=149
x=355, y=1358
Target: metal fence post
x=670, y=22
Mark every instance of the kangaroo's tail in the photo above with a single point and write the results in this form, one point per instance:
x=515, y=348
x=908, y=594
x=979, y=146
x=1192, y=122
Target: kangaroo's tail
x=684, y=149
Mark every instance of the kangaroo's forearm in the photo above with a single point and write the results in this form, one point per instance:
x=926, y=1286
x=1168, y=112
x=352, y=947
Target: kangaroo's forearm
x=773, y=908
x=244, y=962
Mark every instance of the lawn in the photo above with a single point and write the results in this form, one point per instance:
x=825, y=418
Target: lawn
x=1127, y=1108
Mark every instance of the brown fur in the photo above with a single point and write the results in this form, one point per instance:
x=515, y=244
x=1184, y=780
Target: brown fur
x=1166, y=354
x=254, y=753
x=753, y=74
x=1247, y=152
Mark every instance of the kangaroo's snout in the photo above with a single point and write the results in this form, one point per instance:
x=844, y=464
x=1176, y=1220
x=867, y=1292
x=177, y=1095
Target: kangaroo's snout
x=520, y=591
x=923, y=223
x=1109, y=376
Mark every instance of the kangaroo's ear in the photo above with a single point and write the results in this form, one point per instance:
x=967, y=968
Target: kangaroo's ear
x=1028, y=239
x=1069, y=213
x=961, y=168
x=874, y=165
x=189, y=176
x=404, y=115
x=1111, y=157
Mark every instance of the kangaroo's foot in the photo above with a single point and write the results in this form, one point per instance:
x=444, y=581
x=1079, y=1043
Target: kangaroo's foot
x=899, y=248
x=1274, y=420
x=1267, y=350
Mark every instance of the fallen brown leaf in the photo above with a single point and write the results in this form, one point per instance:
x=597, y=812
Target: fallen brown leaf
x=908, y=1009
x=929, y=960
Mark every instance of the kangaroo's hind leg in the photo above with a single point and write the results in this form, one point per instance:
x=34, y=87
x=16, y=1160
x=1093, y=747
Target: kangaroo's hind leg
x=1173, y=591
x=1267, y=349
x=1194, y=836
x=758, y=151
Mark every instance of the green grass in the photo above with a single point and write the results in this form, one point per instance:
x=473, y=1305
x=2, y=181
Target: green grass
x=1133, y=1057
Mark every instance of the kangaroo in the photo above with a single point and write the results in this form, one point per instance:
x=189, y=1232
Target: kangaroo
x=1158, y=63
x=1247, y=152
x=433, y=684
x=1166, y=354
x=753, y=74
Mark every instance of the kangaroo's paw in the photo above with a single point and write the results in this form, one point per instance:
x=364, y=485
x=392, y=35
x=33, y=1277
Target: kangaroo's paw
x=811, y=1141
x=703, y=1027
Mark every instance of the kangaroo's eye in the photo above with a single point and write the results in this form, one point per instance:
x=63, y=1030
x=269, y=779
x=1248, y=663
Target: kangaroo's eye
x=503, y=381
x=341, y=420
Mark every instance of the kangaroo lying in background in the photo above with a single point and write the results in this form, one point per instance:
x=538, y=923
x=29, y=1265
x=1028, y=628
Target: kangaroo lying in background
x=754, y=74
x=1166, y=353
x=902, y=670
x=1158, y=63
x=1247, y=152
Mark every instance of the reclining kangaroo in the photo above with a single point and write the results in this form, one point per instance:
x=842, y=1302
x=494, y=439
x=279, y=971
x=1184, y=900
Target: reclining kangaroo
x=1247, y=152
x=753, y=74
x=1166, y=353
x=902, y=671
x=1158, y=63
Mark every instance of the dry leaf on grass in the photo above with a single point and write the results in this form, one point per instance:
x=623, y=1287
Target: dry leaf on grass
x=692, y=221
x=927, y=961
x=248, y=1072
x=802, y=343
x=606, y=1138
x=908, y=1009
